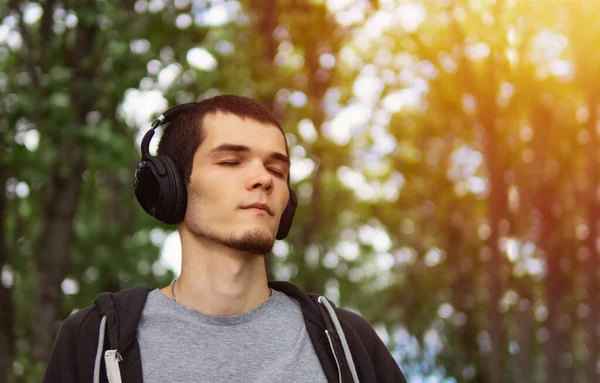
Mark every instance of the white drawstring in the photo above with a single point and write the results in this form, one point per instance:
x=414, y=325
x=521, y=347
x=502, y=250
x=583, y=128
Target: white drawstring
x=99, y=350
x=340, y=332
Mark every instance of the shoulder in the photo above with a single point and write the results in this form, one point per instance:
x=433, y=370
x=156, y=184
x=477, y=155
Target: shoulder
x=362, y=338
x=124, y=302
x=354, y=323
x=73, y=354
x=357, y=329
x=74, y=322
x=314, y=310
x=71, y=347
x=353, y=319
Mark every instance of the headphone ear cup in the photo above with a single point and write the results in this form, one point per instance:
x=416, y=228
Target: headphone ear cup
x=288, y=216
x=177, y=199
x=147, y=187
x=160, y=190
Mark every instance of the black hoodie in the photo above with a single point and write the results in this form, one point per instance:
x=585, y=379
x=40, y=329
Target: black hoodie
x=347, y=346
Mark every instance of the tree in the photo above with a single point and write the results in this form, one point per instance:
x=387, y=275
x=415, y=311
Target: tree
x=447, y=178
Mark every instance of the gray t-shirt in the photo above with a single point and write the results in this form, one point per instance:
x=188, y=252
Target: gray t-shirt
x=266, y=344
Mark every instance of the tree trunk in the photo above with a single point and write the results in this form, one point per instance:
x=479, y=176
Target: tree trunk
x=464, y=292
x=553, y=299
x=62, y=193
x=52, y=257
x=316, y=91
x=586, y=79
x=497, y=211
x=7, y=336
x=485, y=91
x=496, y=206
x=568, y=340
x=268, y=23
x=526, y=327
x=117, y=220
x=591, y=263
x=524, y=320
x=547, y=235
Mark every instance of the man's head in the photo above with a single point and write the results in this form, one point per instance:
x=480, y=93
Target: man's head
x=233, y=158
x=186, y=132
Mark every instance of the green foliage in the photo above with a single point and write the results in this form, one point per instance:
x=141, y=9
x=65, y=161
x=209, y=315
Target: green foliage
x=479, y=107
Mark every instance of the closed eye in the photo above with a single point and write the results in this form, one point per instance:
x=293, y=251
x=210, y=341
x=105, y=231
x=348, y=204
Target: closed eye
x=277, y=172
x=229, y=163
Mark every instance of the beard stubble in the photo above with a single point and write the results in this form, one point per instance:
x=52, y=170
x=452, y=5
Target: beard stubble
x=252, y=241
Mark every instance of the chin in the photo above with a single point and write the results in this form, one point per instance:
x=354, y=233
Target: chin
x=253, y=241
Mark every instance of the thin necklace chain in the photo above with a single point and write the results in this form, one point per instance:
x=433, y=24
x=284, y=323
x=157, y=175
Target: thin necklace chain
x=175, y=298
x=173, y=290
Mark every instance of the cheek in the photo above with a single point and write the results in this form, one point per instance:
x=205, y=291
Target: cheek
x=285, y=196
x=215, y=189
x=208, y=196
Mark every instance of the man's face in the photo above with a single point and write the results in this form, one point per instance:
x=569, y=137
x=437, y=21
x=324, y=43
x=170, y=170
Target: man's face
x=238, y=187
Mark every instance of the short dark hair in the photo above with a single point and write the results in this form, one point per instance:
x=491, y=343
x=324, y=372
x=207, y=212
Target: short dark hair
x=181, y=138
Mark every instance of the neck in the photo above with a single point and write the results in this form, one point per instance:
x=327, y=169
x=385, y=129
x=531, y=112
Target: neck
x=217, y=280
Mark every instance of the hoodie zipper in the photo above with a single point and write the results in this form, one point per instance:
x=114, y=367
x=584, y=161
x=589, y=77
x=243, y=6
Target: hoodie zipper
x=112, y=359
x=334, y=356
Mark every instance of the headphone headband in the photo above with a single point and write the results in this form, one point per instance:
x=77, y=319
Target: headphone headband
x=167, y=116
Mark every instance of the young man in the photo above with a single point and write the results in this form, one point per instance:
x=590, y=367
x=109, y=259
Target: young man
x=222, y=175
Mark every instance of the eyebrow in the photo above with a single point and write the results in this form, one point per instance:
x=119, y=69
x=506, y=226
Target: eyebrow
x=245, y=149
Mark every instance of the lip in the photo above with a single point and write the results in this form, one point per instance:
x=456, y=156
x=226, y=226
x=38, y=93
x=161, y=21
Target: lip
x=260, y=206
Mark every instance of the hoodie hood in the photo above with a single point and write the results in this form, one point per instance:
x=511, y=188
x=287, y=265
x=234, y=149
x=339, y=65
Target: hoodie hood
x=122, y=311
x=309, y=302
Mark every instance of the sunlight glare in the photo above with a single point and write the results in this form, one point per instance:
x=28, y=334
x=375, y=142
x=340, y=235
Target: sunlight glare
x=368, y=87
x=200, y=58
x=32, y=13
x=383, y=142
x=562, y=69
x=349, y=122
x=338, y=5
x=377, y=24
x=512, y=249
x=307, y=130
x=477, y=52
x=410, y=16
x=167, y=75
x=138, y=106
x=348, y=250
x=31, y=140
x=396, y=101
x=7, y=276
x=301, y=168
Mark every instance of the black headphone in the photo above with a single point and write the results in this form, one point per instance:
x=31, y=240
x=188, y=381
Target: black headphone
x=161, y=190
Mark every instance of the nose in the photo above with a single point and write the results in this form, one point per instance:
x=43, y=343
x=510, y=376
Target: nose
x=260, y=178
